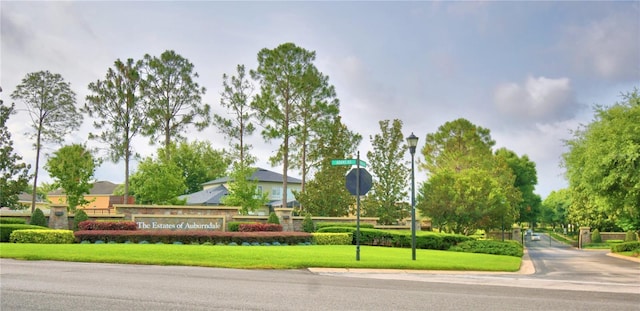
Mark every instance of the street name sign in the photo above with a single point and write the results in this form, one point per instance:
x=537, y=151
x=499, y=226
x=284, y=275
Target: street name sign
x=347, y=162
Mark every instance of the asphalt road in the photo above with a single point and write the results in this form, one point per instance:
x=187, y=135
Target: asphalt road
x=50, y=285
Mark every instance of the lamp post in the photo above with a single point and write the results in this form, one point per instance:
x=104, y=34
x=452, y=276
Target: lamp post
x=412, y=141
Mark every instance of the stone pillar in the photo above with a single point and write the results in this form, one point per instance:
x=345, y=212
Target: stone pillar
x=584, y=237
x=58, y=217
x=284, y=216
x=516, y=234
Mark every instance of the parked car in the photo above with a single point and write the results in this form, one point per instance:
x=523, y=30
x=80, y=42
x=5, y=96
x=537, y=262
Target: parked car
x=535, y=237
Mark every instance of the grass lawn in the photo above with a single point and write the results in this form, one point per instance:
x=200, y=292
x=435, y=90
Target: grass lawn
x=262, y=257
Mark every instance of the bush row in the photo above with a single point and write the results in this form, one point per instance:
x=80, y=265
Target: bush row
x=509, y=248
x=258, y=227
x=12, y=220
x=42, y=236
x=6, y=229
x=233, y=226
x=377, y=237
x=332, y=238
x=321, y=225
x=107, y=225
x=188, y=237
x=625, y=247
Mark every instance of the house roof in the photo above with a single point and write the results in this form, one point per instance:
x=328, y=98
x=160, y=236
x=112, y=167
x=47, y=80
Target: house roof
x=261, y=175
x=99, y=187
x=23, y=196
x=211, y=196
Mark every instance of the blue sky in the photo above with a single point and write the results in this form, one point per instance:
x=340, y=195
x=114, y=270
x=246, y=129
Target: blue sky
x=528, y=71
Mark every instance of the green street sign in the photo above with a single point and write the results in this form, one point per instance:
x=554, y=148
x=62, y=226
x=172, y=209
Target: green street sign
x=348, y=162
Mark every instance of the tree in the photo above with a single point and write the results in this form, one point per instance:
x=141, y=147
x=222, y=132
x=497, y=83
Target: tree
x=175, y=99
x=14, y=174
x=390, y=173
x=236, y=98
x=72, y=168
x=158, y=182
x=38, y=218
x=284, y=74
x=120, y=111
x=198, y=161
x=555, y=208
x=51, y=104
x=243, y=191
x=468, y=187
x=526, y=181
x=335, y=141
x=602, y=167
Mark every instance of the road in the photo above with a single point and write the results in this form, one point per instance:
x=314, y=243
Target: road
x=50, y=285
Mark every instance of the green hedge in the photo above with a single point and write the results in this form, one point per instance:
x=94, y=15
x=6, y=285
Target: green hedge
x=332, y=238
x=13, y=220
x=234, y=226
x=321, y=225
x=42, y=236
x=509, y=248
x=6, y=229
x=625, y=247
x=392, y=238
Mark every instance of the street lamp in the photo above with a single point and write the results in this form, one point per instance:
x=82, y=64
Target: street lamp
x=412, y=141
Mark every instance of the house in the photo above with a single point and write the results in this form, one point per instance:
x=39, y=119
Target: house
x=101, y=198
x=268, y=182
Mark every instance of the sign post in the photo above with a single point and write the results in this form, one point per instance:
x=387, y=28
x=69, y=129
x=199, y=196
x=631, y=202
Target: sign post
x=358, y=183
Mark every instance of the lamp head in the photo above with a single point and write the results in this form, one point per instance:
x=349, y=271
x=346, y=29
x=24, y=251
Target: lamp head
x=412, y=141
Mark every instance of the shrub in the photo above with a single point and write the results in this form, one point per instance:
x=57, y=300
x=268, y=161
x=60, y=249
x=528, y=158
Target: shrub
x=233, y=226
x=630, y=236
x=595, y=236
x=188, y=237
x=625, y=247
x=42, y=236
x=509, y=248
x=307, y=224
x=38, y=219
x=107, y=225
x=259, y=227
x=79, y=217
x=13, y=220
x=424, y=240
x=321, y=225
x=6, y=229
x=332, y=238
x=273, y=219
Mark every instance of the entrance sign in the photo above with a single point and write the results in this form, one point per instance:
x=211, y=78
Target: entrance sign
x=347, y=162
x=179, y=222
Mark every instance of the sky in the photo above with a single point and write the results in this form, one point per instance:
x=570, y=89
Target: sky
x=530, y=72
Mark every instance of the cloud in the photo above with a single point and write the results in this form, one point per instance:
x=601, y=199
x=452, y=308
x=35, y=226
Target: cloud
x=608, y=48
x=537, y=100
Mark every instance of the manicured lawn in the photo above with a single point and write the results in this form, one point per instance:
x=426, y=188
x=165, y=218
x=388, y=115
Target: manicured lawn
x=262, y=257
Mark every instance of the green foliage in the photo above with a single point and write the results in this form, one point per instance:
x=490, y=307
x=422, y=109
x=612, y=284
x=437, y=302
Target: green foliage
x=38, y=218
x=332, y=238
x=243, y=191
x=14, y=175
x=42, y=236
x=189, y=237
x=526, y=179
x=625, y=247
x=390, y=174
x=307, y=224
x=336, y=230
x=468, y=188
x=158, y=182
x=51, y=105
x=595, y=236
x=174, y=98
x=555, y=208
x=72, y=168
x=12, y=220
x=119, y=110
x=321, y=225
x=79, y=217
x=233, y=226
x=236, y=98
x=602, y=167
x=508, y=248
x=6, y=229
x=335, y=141
x=630, y=236
x=273, y=219
x=198, y=161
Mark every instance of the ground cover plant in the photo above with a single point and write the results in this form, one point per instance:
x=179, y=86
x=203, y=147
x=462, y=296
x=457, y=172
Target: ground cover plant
x=262, y=257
